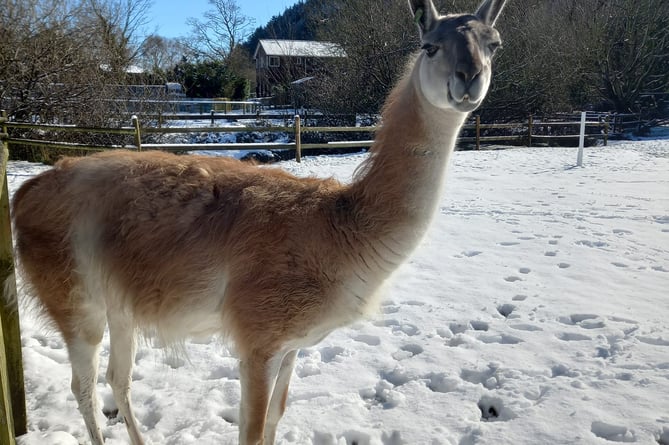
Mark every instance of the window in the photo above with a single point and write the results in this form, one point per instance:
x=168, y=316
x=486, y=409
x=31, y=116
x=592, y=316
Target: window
x=273, y=61
x=298, y=61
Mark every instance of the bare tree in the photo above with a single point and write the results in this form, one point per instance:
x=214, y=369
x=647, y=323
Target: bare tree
x=222, y=29
x=45, y=62
x=121, y=25
x=159, y=55
x=633, y=56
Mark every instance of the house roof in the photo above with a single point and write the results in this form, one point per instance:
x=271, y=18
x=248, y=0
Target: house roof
x=299, y=48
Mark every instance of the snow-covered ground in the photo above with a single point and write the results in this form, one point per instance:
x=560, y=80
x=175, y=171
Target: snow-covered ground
x=536, y=311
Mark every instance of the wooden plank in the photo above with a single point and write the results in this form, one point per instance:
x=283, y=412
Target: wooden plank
x=222, y=147
x=12, y=404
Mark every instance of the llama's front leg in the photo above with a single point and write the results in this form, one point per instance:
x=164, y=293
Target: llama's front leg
x=119, y=371
x=258, y=373
x=277, y=404
x=84, y=360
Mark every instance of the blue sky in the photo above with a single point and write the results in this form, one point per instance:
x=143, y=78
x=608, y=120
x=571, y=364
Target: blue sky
x=168, y=17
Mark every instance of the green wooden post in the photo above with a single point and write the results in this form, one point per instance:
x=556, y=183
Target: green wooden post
x=11, y=364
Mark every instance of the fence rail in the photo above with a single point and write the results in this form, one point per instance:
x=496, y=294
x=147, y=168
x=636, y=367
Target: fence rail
x=475, y=133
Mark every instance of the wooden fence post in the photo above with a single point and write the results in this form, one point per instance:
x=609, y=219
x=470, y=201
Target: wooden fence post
x=138, y=135
x=478, y=132
x=298, y=139
x=606, y=131
x=530, y=122
x=13, y=402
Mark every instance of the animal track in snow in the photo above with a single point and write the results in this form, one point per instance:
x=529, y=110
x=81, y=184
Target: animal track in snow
x=390, y=308
x=525, y=327
x=503, y=339
x=564, y=265
x=585, y=321
x=612, y=433
x=524, y=270
x=371, y=340
x=407, y=328
x=488, y=378
x=550, y=253
x=471, y=253
x=589, y=243
x=383, y=394
x=479, y=325
x=493, y=409
x=512, y=279
x=568, y=336
x=408, y=351
x=509, y=243
x=331, y=353
x=655, y=341
x=386, y=323
x=506, y=309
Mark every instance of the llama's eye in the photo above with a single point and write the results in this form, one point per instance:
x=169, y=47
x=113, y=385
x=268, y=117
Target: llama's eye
x=494, y=46
x=430, y=49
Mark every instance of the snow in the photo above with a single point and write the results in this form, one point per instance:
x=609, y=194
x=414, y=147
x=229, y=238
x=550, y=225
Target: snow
x=535, y=311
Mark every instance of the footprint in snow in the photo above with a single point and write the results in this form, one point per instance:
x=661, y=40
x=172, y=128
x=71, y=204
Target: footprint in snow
x=386, y=323
x=506, y=309
x=331, y=353
x=494, y=410
x=407, y=328
x=585, y=321
x=407, y=351
x=478, y=325
x=568, y=336
x=525, y=327
x=612, y=433
x=654, y=341
x=502, y=339
x=371, y=340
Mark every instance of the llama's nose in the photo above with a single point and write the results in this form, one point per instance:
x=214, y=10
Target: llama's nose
x=467, y=73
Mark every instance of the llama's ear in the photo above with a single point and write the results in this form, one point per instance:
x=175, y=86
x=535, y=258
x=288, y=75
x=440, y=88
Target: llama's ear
x=424, y=14
x=489, y=11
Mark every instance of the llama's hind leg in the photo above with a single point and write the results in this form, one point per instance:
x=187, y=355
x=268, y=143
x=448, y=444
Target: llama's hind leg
x=277, y=404
x=84, y=357
x=119, y=371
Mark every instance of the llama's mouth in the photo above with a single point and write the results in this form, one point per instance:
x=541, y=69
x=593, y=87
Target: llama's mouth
x=465, y=105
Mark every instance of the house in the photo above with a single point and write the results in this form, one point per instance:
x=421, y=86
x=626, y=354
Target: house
x=282, y=62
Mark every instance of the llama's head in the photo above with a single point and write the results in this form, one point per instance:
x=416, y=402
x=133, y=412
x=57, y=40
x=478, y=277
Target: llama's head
x=456, y=61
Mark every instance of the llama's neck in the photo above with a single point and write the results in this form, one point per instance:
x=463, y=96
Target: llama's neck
x=397, y=189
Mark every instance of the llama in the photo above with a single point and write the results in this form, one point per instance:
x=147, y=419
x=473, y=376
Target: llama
x=177, y=246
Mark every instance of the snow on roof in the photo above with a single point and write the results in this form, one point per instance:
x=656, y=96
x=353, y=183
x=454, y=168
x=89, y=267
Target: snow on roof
x=299, y=48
